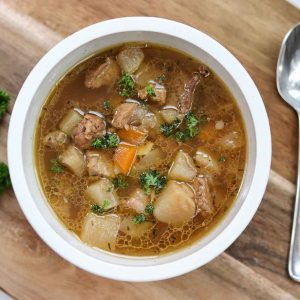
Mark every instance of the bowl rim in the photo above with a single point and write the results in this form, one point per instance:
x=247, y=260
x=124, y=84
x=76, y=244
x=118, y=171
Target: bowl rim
x=169, y=269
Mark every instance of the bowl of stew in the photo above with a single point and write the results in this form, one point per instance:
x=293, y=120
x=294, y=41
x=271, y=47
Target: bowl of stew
x=139, y=148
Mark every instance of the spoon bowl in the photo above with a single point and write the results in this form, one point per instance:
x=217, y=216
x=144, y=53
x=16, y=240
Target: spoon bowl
x=288, y=68
x=288, y=85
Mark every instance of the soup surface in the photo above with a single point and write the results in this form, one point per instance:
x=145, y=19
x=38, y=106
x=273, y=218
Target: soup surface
x=140, y=150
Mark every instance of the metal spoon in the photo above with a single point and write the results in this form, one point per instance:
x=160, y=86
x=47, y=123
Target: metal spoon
x=288, y=85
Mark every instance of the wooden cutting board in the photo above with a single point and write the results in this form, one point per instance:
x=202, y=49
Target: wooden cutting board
x=255, y=266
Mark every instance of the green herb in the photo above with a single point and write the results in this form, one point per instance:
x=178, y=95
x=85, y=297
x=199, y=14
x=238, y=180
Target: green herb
x=105, y=204
x=138, y=219
x=100, y=209
x=222, y=159
x=168, y=129
x=120, y=182
x=106, y=105
x=4, y=101
x=4, y=177
x=151, y=180
x=110, y=140
x=149, y=208
x=150, y=91
x=56, y=167
x=126, y=85
x=192, y=124
x=109, y=189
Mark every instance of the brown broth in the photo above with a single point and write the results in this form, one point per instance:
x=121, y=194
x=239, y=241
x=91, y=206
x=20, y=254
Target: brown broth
x=65, y=191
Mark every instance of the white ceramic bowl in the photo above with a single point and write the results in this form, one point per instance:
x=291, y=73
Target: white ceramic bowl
x=62, y=58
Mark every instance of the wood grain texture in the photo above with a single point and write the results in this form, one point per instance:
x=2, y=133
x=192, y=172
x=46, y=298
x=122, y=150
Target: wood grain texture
x=254, y=267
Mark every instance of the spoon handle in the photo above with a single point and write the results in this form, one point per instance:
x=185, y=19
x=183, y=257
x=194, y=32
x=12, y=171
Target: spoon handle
x=294, y=256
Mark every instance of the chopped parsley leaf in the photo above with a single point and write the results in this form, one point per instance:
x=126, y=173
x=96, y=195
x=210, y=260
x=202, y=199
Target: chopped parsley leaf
x=56, y=167
x=126, y=85
x=120, y=182
x=106, y=104
x=150, y=91
x=149, y=208
x=110, y=140
x=168, y=129
x=138, y=219
x=152, y=180
x=100, y=209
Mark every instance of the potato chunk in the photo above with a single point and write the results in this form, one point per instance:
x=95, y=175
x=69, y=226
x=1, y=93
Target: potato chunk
x=175, y=205
x=99, y=163
x=130, y=59
x=138, y=201
x=183, y=168
x=73, y=159
x=169, y=114
x=69, y=121
x=102, y=190
x=134, y=230
x=206, y=162
x=100, y=231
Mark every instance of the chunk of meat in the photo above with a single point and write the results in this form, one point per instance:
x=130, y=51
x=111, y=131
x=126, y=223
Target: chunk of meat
x=203, y=196
x=159, y=93
x=104, y=75
x=185, y=100
x=128, y=113
x=183, y=168
x=102, y=190
x=138, y=201
x=56, y=139
x=130, y=59
x=89, y=128
x=99, y=163
x=175, y=205
x=100, y=231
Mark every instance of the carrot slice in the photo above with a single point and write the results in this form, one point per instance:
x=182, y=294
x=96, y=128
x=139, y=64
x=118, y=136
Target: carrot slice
x=124, y=157
x=132, y=135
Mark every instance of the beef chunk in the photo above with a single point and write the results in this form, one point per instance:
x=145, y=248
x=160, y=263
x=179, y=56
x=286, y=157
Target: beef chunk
x=104, y=75
x=89, y=128
x=128, y=113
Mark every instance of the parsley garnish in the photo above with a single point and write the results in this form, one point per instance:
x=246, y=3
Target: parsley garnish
x=126, y=85
x=120, y=182
x=4, y=177
x=110, y=140
x=100, y=209
x=151, y=180
x=138, y=219
x=56, y=167
x=4, y=101
x=168, y=129
x=149, y=208
x=106, y=104
x=192, y=124
x=150, y=91
x=222, y=159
